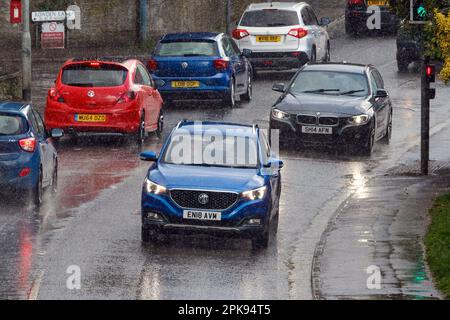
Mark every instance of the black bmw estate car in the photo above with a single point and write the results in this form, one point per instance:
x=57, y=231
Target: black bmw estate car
x=334, y=104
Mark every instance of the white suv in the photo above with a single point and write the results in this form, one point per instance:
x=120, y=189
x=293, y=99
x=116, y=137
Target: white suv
x=282, y=35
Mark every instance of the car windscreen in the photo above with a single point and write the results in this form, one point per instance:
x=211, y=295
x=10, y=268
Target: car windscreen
x=269, y=18
x=186, y=48
x=12, y=125
x=212, y=149
x=330, y=82
x=98, y=75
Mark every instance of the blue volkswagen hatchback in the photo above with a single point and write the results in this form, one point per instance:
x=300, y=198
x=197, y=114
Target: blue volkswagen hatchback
x=190, y=66
x=212, y=177
x=28, y=160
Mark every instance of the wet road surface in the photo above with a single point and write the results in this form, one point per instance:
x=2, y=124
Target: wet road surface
x=94, y=220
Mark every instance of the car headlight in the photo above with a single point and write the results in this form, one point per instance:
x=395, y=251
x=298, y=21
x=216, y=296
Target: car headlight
x=278, y=114
x=359, y=120
x=256, y=194
x=151, y=187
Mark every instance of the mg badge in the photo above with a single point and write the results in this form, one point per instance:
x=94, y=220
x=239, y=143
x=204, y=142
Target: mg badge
x=91, y=94
x=203, y=198
x=184, y=65
x=318, y=113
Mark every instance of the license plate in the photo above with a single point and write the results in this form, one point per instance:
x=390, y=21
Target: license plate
x=378, y=3
x=185, y=84
x=90, y=117
x=268, y=38
x=317, y=130
x=202, y=215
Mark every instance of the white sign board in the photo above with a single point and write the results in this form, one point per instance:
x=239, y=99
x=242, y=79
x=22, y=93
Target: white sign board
x=52, y=36
x=41, y=16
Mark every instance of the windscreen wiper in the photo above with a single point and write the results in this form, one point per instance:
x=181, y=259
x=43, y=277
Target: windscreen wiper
x=352, y=91
x=320, y=90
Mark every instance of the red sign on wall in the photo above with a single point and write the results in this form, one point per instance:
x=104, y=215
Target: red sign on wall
x=15, y=11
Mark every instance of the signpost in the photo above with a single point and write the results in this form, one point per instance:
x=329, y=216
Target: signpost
x=52, y=35
x=42, y=16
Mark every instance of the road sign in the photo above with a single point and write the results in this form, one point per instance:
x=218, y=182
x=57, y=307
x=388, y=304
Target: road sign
x=15, y=10
x=41, y=16
x=52, y=35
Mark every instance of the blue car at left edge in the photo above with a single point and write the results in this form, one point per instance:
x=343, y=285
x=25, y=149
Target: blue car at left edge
x=191, y=195
x=201, y=66
x=28, y=159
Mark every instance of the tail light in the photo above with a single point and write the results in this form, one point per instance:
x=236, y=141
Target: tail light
x=24, y=172
x=127, y=97
x=298, y=33
x=28, y=144
x=240, y=33
x=152, y=65
x=355, y=2
x=55, y=95
x=221, y=64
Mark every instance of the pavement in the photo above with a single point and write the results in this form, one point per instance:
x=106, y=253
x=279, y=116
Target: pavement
x=381, y=226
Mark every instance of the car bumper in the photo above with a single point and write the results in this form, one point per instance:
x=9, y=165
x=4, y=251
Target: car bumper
x=278, y=60
x=123, y=120
x=342, y=134
x=213, y=87
x=234, y=219
x=10, y=170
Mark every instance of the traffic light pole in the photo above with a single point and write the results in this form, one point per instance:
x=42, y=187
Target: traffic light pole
x=425, y=111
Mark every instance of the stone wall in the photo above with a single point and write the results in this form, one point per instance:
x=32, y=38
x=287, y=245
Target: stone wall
x=10, y=86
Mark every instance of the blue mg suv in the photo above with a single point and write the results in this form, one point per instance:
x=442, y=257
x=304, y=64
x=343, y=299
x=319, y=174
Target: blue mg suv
x=212, y=177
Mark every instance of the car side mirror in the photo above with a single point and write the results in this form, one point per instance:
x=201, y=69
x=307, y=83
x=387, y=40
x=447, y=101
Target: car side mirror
x=148, y=156
x=247, y=53
x=56, y=133
x=324, y=21
x=279, y=87
x=381, y=93
x=274, y=163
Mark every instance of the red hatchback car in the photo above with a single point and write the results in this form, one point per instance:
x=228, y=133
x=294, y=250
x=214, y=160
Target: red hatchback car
x=100, y=96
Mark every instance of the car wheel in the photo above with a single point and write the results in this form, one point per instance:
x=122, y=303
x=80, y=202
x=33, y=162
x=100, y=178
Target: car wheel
x=230, y=99
x=402, y=65
x=261, y=241
x=38, y=191
x=328, y=54
x=55, y=179
x=349, y=29
x=150, y=235
x=388, y=135
x=367, y=148
x=159, y=130
x=313, y=55
x=248, y=95
x=140, y=135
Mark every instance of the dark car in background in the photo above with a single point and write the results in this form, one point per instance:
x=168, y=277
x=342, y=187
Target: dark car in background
x=334, y=104
x=408, y=48
x=201, y=66
x=356, y=16
x=28, y=160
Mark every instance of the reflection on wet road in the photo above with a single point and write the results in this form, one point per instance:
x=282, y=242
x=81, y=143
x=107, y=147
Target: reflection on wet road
x=94, y=221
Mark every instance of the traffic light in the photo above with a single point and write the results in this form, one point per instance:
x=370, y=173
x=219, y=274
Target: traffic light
x=430, y=73
x=419, y=11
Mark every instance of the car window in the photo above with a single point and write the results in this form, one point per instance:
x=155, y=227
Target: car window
x=265, y=148
x=227, y=47
x=312, y=17
x=33, y=122
x=330, y=83
x=11, y=125
x=269, y=18
x=236, y=49
x=373, y=82
x=145, y=78
x=138, y=77
x=378, y=79
x=186, y=48
x=40, y=123
x=94, y=75
x=306, y=18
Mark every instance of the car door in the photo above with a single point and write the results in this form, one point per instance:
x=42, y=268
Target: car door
x=237, y=65
x=42, y=144
x=321, y=34
x=144, y=95
x=154, y=101
x=244, y=65
x=274, y=173
x=380, y=105
x=312, y=32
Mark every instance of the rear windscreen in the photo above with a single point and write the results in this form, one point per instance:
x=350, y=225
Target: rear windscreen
x=11, y=125
x=269, y=18
x=187, y=48
x=82, y=75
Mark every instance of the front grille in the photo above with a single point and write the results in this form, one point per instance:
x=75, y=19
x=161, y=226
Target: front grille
x=328, y=121
x=216, y=200
x=304, y=119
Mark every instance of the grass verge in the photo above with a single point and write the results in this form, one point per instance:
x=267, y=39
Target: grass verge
x=437, y=242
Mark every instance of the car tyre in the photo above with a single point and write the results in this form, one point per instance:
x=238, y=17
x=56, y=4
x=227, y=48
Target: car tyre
x=140, y=135
x=160, y=129
x=247, y=97
x=367, y=148
x=230, y=99
x=313, y=55
x=149, y=236
x=328, y=53
x=261, y=241
x=38, y=191
x=55, y=179
x=388, y=135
